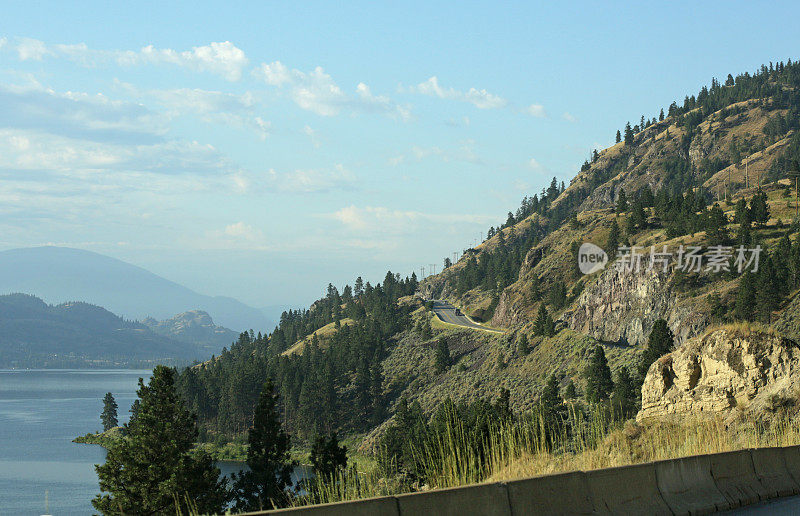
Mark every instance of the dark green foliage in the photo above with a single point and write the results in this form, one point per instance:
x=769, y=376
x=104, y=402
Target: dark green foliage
x=716, y=226
x=660, y=342
x=598, y=377
x=745, y=297
x=442, y=358
x=264, y=485
x=628, y=134
x=767, y=288
x=153, y=470
x=557, y=295
x=327, y=457
x=544, y=324
x=759, y=209
x=570, y=392
x=624, y=396
x=618, y=137
x=523, y=346
x=135, y=406
x=550, y=403
x=622, y=201
x=318, y=390
x=109, y=415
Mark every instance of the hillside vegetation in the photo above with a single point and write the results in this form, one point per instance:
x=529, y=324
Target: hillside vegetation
x=369, y=362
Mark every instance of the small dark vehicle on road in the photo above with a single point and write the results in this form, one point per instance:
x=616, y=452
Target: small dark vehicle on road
x=458, y=312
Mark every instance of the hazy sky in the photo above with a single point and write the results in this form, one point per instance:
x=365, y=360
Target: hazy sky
x=262, y=150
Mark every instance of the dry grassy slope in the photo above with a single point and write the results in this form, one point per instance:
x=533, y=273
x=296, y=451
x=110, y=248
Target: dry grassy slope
x=631, y=168
x=323, y=335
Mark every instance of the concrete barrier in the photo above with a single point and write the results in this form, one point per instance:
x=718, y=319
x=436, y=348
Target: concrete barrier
x=384, y=505
x=484, y=499
x=690, y=485
x=626, y=490
x=791, y=457
x=736, y=478
x=565, y=493
x=770, y=467
x=686, y=485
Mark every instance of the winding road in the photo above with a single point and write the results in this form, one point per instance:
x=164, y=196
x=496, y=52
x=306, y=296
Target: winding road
x=447, y=313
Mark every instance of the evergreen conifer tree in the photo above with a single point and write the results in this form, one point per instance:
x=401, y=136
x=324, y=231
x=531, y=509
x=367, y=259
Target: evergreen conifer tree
x=154, y=470
x=109, y=415
x=598, y=377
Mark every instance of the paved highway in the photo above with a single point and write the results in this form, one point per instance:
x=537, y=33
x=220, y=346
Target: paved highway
x=447, y=313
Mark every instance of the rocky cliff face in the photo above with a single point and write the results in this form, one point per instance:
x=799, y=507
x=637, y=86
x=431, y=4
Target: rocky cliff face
x=623, y=306
x=724, y=372
x=194, y=326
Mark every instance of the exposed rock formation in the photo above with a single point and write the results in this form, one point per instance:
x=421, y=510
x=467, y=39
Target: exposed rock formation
x=724, y=372
x=622, y=307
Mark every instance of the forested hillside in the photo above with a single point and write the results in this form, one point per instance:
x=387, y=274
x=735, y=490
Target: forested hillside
x=714, y=170
x=35, y=334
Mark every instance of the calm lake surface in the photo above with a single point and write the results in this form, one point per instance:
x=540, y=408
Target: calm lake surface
x=41, y=411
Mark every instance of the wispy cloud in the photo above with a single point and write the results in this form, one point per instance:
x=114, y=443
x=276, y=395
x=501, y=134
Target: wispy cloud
x=210, y=106
x=317, y=92
x=220, y=58
x=536, y=110
x=569, y=117
x=299, y=181
x=481, y=99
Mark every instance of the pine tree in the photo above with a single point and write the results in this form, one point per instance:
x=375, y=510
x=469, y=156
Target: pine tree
x=661, y=115
x=154, y=470
x=768, y=296
x=550, y=402
x=745, y=297
x=442, y=356
x=109, y=414
x=523, y=346
x=659, y=343
x=598, y=377
x=619, y=137
x=628, y=134
x=135, y=406
x=759, y=209
x=544, y=324
x=622, y=201
x=623, y=397
x=264, y=485
x=327, y=457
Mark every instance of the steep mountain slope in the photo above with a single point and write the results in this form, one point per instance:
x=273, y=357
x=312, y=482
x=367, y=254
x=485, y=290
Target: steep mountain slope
x=35, y=334
x=195, y=327
x=711, y=172
x=59, y=274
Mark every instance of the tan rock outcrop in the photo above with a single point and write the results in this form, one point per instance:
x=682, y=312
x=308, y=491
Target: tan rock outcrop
x=725, y=372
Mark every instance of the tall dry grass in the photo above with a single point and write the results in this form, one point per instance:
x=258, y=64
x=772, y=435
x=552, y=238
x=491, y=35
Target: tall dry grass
x=528, y=447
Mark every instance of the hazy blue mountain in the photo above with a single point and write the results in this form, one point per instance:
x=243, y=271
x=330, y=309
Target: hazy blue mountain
x=77, y=334
x=59, y=274
x=197, y=327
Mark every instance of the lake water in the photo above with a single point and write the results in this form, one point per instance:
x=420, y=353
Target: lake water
x=41, y=411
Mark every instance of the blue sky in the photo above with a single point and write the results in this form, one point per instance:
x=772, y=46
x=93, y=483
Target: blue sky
x=262, y=150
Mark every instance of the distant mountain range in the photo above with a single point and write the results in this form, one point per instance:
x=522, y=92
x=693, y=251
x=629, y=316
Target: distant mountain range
x=77, y=334
x=61, y=274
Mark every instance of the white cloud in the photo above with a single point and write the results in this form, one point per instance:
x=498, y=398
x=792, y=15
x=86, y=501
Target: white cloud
x=464, y=153
x=312, y=135
x=210, y=106
x=317, y=92
x=535, y=165
x=31, y=49
x=536, y=110
x=312, y=180
x=569, y=117
x=220, y=58
x=79, y=115
x=481, y=99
